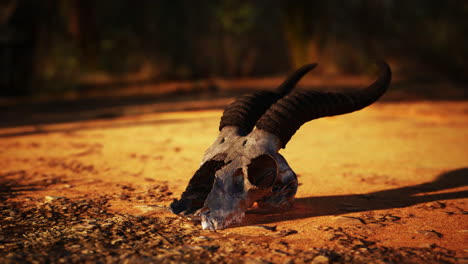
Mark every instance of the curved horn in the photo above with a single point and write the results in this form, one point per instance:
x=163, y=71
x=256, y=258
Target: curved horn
x=247, y=109
x=285, y=117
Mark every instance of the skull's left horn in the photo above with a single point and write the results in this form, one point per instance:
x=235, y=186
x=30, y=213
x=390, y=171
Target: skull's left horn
x=285, y=117
x=246, y=110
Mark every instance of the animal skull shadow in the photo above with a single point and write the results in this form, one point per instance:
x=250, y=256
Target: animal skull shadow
x=243, y=165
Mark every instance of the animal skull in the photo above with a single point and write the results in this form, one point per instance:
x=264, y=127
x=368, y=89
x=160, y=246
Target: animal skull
x=243, y=165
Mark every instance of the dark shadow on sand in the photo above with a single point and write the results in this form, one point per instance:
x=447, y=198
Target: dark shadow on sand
x=387, y=199
x=106, y=125
x=37, y=113
x=11, y=188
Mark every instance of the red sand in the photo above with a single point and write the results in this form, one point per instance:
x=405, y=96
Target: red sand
x=361, y=165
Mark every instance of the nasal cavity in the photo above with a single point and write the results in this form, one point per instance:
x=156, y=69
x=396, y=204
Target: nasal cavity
x=262, y=171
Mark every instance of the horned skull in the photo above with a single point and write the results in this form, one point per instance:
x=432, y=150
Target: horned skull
x=243, y=165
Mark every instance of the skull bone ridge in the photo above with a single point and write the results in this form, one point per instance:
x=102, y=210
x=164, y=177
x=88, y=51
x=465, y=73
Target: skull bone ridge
x=243, y=165
x=254, y=172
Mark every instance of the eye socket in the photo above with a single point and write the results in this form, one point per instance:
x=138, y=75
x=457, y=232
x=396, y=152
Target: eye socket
x=262, y=171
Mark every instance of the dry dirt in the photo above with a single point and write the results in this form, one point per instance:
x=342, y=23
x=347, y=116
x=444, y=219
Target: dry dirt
x=387, y=184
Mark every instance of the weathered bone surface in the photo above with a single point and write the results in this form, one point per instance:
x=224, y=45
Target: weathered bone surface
x=243, y=166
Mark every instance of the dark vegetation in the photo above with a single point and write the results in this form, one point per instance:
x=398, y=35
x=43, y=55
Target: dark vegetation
x=56, y=46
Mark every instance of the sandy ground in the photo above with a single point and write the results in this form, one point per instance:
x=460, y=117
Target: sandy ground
x=387, y=184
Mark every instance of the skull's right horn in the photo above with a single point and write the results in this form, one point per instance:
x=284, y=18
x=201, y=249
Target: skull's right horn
x=285, y=117
x=246, y=110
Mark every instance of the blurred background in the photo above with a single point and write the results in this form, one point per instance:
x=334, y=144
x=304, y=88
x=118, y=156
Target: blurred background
x=72, y=49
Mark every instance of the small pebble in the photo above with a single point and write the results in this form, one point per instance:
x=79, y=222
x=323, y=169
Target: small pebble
x=435, y=205
x=430, y=233
x=321, y=260
x=428, y=246
x=52, y=198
